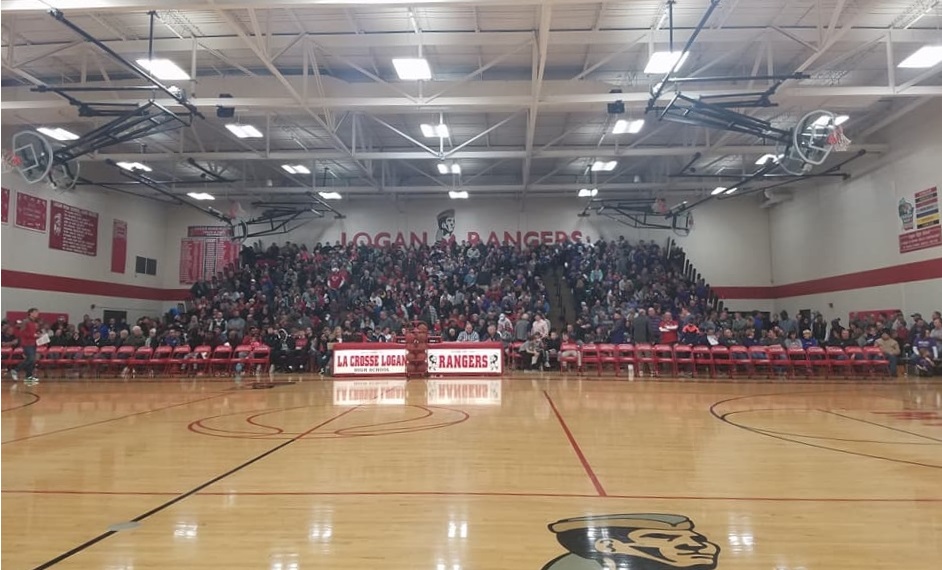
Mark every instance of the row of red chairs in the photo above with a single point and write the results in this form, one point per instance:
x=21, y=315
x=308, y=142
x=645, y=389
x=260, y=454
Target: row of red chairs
x=677, y=359
x=163, y=360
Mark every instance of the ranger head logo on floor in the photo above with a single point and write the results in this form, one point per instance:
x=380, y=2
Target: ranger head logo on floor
x=632, y=542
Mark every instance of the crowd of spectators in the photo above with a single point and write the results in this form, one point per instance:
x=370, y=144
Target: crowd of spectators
x=302, y=301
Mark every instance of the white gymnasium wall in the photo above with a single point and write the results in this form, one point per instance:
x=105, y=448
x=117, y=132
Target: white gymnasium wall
x=28, y=251
x=853, y=226
x=729, y=243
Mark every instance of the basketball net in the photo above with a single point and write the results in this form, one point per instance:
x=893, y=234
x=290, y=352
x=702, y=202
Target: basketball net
x=10, y=161
x=837, y=139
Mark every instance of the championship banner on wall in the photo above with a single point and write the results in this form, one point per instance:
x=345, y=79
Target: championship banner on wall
x=6, y=206
x=921, y=227
x=369, y=362
x=119, y=246
x=464, y=392
x=484, y=360
x=30, y=212
x=205, y=252
x=359, y=392
x=73, y=229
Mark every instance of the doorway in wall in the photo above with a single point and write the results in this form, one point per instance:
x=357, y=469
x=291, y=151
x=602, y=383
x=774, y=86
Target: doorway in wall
x=118, y=316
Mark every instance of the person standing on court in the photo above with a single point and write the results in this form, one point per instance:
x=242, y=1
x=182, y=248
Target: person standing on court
x=28, y=333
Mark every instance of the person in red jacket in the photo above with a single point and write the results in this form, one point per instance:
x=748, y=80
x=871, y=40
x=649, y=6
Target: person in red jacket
x=668, y=329
x=27, y=333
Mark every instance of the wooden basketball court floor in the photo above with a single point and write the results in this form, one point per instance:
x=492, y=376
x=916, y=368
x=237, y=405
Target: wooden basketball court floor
x=473, y=475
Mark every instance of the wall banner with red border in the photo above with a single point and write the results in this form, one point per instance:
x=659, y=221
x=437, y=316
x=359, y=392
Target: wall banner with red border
x=445, y=359
x=191, y=260
x=6, y=206
x=209, y=232
x=73, y=229
x=119, y=246
x=217, y=250
x=921, y=225
x=30, y=212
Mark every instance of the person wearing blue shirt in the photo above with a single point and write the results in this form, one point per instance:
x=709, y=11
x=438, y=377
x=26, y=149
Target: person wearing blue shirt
x=807, y=340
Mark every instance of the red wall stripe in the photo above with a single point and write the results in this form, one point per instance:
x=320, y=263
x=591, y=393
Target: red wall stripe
x=40, y=282
x=893, y=275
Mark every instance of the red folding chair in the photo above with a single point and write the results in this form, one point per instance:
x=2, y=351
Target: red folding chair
x=6, y=357
x=241, y=356
x=781, y=364
x=683, y=359
x=858, y=361
x=798, y=358
x=516, y=359
x=86, y=361
x=591, y=357
x=839, y=361
x=161, y=359
x=739, y=355
x=102, y=362
x=607, y=357
x=644, y=356
x=819, y=361
x=71, y=360
x=760, y=360
x=200, y=359
x=626, y=357
x=178, y=359
x=664, y=360
x=140, y=362
x=721, y=360
x=121, y=359
x=565, y=360
x=877, y=360
x=221, y=360
x=51, y=360
x=703, y=358
x=261, y=358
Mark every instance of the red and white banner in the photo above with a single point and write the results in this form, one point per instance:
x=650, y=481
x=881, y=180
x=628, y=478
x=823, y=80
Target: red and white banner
x=359, y=392
x=920, y=239
x=463, y=359
x=191, y=260
x=73, y=229
x=464, y=392
x=6, y=206
x=119, y=246
x=360, y=359
x=30, y=212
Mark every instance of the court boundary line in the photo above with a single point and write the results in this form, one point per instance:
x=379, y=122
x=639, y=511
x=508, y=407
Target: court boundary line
x=900, y=430
x=116, y=418
x=93, y=541
x=535, y=495
x=26, y=405
x=575, y=447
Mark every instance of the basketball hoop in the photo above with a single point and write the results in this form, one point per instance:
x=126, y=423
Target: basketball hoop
x=837, y=139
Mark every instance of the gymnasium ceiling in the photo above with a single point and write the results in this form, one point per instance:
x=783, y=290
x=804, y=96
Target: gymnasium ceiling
x=522, y=87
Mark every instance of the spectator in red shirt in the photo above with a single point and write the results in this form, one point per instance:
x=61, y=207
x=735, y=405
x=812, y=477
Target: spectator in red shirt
x=27, y=333
x=668, y=329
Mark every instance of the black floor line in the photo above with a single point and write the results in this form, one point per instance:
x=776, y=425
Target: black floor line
x=35, y=399
x=884, y=426
x=191, y=492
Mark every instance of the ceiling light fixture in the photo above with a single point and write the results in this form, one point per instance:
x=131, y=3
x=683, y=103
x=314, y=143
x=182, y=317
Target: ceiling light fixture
x=841, y=119
x=664, y=61
x=602, y=166
x=765, y=158
x=330, y=195
x=59, y=134
x=718, y=190
x=456, y=168
x=412, y=68
x=588, y=193
x=431, y=131
x=244, y=131
x=132, y=166
x=731, y=190
x=458, y=194
x=923, y=58
x=296, y=169
x=164, y=69
x=630, y=127
x=442, y=168
x=201, y=196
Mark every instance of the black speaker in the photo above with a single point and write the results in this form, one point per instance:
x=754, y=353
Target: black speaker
x=225, y=112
